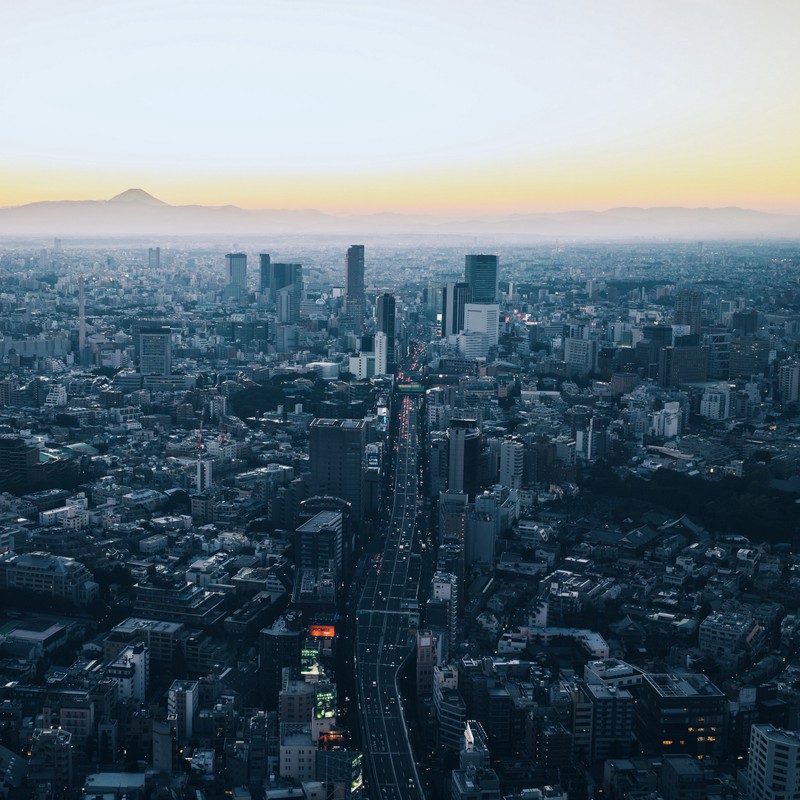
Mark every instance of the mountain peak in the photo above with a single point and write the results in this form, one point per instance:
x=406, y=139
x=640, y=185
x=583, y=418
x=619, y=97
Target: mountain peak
x=137, y=196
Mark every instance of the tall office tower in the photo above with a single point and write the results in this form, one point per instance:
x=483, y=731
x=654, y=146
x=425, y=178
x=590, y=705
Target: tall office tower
x=354, y=281
x=155, y=351
x=280, y=647
x=438, y=451
x=483, y=318
x=789, y=382
x=512, y=458
x=381, y=350
x=386, y=323
x=154, y=258
x=204, y=477
x=450, y=558
x=81, y=318
x=288, y=277
x=426, y=661
x=236, y=273
x=688, y=309
x=452, y=515
x=444, y=589
x=464, y=457
x=678, y=365
x=773, y=772
x=336, y=461
x=455, y=296
x=264, y=273
x=480, y=272
x=319, y=543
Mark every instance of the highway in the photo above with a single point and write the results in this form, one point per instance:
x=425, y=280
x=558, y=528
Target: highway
x=382, y=631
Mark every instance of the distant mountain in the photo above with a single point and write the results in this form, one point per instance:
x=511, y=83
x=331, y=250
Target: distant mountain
x=137, y=196
x=136, y=213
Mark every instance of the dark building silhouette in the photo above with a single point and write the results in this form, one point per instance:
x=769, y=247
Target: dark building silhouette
x=264, y=273
x=688, y=309
x=354, y=281
x=464, y=457
x=336, y=456
x=454, y=297
x=279, y=648
x=386, y=323
x=480, y=272
x=236, y=273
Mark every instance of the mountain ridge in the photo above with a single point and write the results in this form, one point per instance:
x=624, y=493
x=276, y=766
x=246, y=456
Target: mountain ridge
x=137, y=212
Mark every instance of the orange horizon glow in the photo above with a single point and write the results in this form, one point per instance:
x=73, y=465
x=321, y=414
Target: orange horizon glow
x=453, y=108
x=501, y=190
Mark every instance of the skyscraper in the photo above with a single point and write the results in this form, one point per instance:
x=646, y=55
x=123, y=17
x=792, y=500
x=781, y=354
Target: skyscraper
x=286, y=290
x=512, y=457
x=354, y=281
x=454, y=297
x=381, y=349
x=154, y=258
x=386, y=323
x=264, y=273
x=480, y=273
x=236, y=273
x=336, y=456
x=464, y=456
x=155, y=351
x=688, y=309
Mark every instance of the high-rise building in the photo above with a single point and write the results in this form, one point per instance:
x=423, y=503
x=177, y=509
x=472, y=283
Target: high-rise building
x=789, y=382
x=131, y=670
x=280, y=647
x=155, y=351
x=688, y=309
x=264, y=273
x=286, y=290
x=354, y=281
x=386, y=324
x=678, y=365
x=154, y=258
x=382, y=346
x=512, y=461
x=236, y=273
x=444, y=589
x=319, y=543
x=204, y=478
x=455, y=296
x=773, y=772
x=182, y=701
x=603, y=721
x=336, y=461
x=480, y=272
x=464, y=456
x=426, y=661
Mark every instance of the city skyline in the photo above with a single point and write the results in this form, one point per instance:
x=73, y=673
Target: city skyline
x=456, y=109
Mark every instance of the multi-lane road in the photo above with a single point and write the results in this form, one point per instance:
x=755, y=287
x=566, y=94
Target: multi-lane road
x=382, y=631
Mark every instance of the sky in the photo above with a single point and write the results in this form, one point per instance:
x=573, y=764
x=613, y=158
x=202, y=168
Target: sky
x=457, y=107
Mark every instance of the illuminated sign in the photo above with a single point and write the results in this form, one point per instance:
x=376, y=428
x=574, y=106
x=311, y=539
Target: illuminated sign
x=322, y=631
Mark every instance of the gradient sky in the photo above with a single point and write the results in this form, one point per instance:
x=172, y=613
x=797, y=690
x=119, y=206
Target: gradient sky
x=458, y=106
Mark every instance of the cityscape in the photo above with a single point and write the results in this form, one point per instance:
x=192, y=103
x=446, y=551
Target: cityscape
x=399, y=401
x=400, y=521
